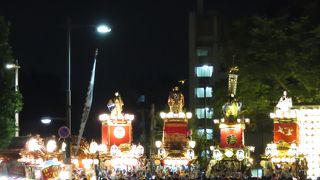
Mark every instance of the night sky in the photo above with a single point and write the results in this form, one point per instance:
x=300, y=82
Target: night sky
x=145, y=53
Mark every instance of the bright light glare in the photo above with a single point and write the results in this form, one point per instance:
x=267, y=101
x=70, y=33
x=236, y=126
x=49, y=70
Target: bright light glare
x=103, y=29
x=51, y=145
x=33, y=145
x=46, y=120
x=10, y=66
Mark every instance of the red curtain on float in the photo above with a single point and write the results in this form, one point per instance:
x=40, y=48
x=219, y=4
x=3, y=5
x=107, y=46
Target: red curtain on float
x=175, y=132
x=116, y=134
x=287, y=132
x=231, y=137
x=176, y=128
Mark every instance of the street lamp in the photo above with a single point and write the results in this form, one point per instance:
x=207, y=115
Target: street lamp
x=100, y=29
x=16, y=88
x=47, y=120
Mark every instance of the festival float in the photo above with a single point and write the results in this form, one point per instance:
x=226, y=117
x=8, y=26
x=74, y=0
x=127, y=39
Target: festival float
x=295, y=148
x=43, y=158
x=175, y=151
x=231, y=158
x=122, y=155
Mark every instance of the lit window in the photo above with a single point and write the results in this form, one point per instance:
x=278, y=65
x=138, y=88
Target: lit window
x=204, y=71
x=209, y=133
x=202, y=52
x=200, y=92
x=200, y=112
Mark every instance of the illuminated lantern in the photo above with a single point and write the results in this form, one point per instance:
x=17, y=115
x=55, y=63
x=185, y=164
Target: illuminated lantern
x=240, y=155
x=217, y=155
x=93, y=148
x=33, y=145
x=139, y=150
x=114, y=150
x=228, y=153
x=51, y=145
x=161, y=152
x=190, y=154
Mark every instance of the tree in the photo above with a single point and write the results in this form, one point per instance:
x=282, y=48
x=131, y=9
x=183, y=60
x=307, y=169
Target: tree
x=274, y=55
x=9, y=99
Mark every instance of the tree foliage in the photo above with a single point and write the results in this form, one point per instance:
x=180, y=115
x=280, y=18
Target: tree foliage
x=9, y=99
x=273, y=55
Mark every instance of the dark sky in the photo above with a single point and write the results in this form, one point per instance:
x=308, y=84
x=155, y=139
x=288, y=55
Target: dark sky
x=146, y=53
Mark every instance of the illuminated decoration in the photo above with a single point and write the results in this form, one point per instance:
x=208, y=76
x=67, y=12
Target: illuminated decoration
x=51, y=145
x=217, y=155
x=231, y=148
x=119, y=132
x=93, y=147
x=119, y=151
x=116, y=126
x=114, y=150
x=161, y=152
x=192, y=144
x=190, y=154
x=158, y=144
x=228, y=153
x=63, y=146
x=240, y=154
x=139, y=150
x=175, y=149
x=232, y=82
x=296, y=136
x=103, y=148
x=309, y=122
x=33, y=144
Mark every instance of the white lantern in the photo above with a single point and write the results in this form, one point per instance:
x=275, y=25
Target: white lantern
x=114, y=150
x=161, y=152
x=192, y=144
x=158, y=144
x=240, y=154
x=228, y=153
x=93, y=147
x=102, y=148
x=190, y=153
x=139, y=150
x=33, y=145
x=51, y=145
x=217, y=155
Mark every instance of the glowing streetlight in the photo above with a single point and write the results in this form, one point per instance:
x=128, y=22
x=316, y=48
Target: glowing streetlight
x=103, y=29
x=47, y=120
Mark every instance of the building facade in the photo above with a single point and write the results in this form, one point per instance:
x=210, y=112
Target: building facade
x=204, y=66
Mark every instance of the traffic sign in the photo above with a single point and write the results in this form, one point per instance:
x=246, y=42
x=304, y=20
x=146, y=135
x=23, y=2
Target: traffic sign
x=64, y=132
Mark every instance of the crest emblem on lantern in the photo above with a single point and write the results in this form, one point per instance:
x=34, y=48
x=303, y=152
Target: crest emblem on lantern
x=231, y=139
x=119, y=132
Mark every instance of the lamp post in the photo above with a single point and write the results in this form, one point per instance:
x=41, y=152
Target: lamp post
x=100, y=29
x=47, y=120
x=16, y=88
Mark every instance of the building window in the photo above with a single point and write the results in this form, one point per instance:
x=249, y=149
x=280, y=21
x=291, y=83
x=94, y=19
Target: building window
x=209, y=133
x=204, y=71
x=200, y=92
x=201, y=113
x=202, y=52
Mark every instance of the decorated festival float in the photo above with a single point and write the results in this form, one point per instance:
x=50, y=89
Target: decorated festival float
x=175, y=152
x=43, y=158
x=295, y=148
x=122, y=156
x=231, y=158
